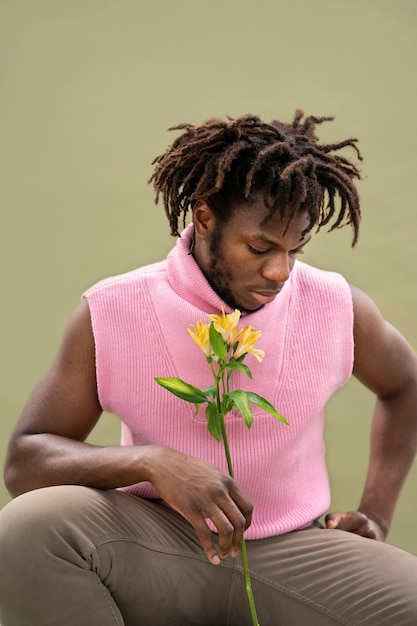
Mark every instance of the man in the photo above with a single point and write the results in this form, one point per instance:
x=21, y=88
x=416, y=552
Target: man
x=77, y=549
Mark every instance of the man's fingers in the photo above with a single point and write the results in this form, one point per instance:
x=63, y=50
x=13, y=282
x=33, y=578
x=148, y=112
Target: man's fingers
x=230, y=527
x=225, y=531
x=206, y=539
x=334, y=520
x=238, y=514
x=244, y=505
x=230, y=524
x=354, y=522
x=343, y=521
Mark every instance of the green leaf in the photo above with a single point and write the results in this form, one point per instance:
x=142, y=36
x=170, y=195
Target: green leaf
x=240, y=400
x=241, y=367
x=213, y=421
x=182, y=389
x=267, y=406
x=210, y=392
x=227, y=404
x=217, y=344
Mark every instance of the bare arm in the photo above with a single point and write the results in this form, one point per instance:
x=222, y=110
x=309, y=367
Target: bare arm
x=386, y=364
x=47, y=448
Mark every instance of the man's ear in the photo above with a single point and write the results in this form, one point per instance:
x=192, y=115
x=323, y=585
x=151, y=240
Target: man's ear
x=203, y=219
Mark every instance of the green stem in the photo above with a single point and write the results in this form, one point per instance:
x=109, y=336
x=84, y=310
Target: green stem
x=226, y=447
x=248, y=584
x=223, y=426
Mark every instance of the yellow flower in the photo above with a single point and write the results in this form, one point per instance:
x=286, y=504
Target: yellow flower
x=246, y=338
x=226, y=324
x=200, y=335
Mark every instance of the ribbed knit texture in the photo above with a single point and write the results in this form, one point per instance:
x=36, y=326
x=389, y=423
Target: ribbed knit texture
x=140, y=321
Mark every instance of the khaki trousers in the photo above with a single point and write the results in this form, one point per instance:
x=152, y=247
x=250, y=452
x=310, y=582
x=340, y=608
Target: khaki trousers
x=73, y=556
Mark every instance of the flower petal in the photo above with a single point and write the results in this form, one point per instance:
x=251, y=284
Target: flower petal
x=200, y=335
x=226, y=324
x=246, y=338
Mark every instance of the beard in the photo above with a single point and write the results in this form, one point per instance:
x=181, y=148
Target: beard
x=218, y=276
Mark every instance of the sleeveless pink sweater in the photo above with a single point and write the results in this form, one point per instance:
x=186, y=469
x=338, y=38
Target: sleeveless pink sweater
x=140, y=322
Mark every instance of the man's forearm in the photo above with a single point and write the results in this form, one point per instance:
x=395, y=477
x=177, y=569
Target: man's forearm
x=393, y=449
x=43, y=460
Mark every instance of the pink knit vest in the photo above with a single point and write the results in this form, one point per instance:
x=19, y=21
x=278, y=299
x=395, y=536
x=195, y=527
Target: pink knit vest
x=140, y=321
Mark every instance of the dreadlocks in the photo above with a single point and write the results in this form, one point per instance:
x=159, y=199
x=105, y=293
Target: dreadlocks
x=232, y=161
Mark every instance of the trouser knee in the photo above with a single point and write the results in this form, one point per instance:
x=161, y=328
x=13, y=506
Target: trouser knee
x=36, y=526
x=45, y=560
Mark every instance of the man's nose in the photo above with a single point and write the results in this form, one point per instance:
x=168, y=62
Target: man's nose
x=277, y=269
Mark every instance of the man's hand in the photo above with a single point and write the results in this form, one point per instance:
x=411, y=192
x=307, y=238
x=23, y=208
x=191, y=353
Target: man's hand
x=356, y=522
x=200, y=491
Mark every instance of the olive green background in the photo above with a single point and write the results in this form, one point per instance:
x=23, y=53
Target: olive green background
x=88, y=89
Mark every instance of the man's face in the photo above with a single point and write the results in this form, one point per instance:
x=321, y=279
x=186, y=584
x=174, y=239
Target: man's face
x=245, y=262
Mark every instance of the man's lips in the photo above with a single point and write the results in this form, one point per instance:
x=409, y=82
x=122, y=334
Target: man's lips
x=264, y=297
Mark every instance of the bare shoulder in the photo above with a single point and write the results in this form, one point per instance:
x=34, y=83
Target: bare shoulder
x=78, y=340
x=384, y=360
x=65, y=400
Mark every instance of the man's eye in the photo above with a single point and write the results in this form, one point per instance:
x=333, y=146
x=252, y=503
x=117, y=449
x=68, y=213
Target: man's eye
x=297, y=252
x=257, y=250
